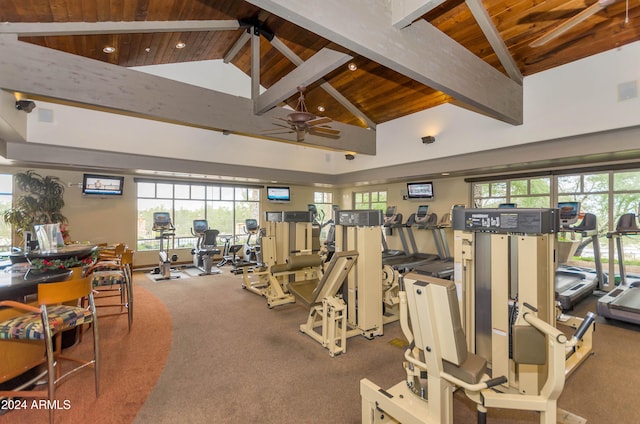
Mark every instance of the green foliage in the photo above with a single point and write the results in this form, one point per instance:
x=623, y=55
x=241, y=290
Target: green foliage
x=41, y=202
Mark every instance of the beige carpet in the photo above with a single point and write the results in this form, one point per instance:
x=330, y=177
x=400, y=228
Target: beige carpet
x=131, y=365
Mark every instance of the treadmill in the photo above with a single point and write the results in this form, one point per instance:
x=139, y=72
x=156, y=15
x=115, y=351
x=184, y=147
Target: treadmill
x=444, y=266
x=623, y=302
x=392, y=219
x=572, y=284
x=414, y=258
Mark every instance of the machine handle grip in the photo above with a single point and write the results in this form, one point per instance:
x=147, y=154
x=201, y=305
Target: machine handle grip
x=496, y=381
x=588, y=320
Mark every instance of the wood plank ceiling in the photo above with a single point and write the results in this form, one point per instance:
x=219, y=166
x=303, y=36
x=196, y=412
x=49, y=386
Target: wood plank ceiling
x=377, y=92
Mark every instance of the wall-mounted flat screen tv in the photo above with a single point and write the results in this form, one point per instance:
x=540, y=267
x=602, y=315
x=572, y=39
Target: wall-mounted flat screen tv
x=422, y=190
x=102, y=185
x=278, y=194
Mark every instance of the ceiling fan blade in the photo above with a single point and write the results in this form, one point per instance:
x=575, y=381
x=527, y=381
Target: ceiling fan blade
x=325, y=130
x=284, y=130
x=571, y=22
x=319, y=120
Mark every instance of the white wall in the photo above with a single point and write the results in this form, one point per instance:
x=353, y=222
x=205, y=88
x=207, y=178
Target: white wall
x=577, y=98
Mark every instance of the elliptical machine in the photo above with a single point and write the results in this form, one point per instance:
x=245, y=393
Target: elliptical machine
x=206, y=247
x=164, y=227
x=251, y=252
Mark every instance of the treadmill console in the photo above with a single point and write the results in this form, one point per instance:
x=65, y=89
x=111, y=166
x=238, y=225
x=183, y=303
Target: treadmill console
x=162, y=221
x=569, y=213
x=422, y=215
x=200, y=226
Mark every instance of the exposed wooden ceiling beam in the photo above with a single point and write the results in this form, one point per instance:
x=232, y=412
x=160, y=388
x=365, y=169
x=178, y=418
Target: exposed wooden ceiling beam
x=40, y=72
x=237, y=46
x=317, y=66
x=404, y=12
x=493, y=36
x=296, y=60
x=88, y=28
x=420, y=51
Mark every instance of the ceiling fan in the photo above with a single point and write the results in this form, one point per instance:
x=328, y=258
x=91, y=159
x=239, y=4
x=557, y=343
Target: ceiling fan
x=302, y=122
x=571, y=22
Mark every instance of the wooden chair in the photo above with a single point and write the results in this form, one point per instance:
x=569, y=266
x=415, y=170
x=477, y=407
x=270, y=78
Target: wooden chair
x=30, y=327
x=110, y=276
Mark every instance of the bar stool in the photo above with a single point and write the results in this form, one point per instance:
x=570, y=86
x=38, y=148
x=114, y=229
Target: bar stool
x=59, y=317
x=114, y=276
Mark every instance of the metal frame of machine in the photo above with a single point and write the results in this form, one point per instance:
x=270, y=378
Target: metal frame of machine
x=437, y=362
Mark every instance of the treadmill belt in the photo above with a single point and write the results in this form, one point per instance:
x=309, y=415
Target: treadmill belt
x=629, y=301
x=567, y=280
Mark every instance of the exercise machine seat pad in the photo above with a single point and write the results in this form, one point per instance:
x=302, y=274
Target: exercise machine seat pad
x=296, y=263
x=471, y=370
x=303, y=290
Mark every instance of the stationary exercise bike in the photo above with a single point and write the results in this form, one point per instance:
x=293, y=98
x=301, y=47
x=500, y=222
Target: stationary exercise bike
x=206, y=247
x=166, y=231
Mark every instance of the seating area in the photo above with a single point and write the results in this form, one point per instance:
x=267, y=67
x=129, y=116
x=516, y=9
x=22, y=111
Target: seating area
x=29, y=325
x=54, y=312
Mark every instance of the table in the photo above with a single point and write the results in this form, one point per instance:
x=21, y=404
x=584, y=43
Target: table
x=17, y=285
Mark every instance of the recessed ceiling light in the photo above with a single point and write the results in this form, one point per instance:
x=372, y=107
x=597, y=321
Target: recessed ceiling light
x=148, y=49
x=352, y=66
x=180, y=45
x=109, y=49
x=320, y=108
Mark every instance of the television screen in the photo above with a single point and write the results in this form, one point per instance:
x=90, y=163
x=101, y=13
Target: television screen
x=278, y=194
x=422, y=190
x=102, y=185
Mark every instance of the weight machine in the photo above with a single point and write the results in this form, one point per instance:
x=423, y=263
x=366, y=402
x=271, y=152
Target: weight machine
x=511, y=356
x=505, y=264
x=438, y=361
x=284, y=236
x=165, y=230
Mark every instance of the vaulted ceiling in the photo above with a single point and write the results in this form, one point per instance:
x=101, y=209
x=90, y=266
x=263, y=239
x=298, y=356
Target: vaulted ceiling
x=392, y=76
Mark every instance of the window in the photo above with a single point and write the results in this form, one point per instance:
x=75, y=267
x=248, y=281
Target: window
x=324, y=204
x=525, y=192
x=592, y=191
x=370, y=200
x=224, y=207
x=6, y=202
x=626, y=199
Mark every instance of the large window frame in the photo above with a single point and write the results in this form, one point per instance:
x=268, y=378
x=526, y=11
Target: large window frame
x=368, y=200
x=224, y=206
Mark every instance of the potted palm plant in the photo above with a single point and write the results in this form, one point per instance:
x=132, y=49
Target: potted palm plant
x=40, y=202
